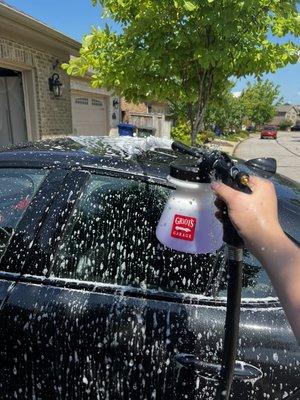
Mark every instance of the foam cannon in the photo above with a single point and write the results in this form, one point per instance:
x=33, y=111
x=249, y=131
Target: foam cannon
x=188, y=224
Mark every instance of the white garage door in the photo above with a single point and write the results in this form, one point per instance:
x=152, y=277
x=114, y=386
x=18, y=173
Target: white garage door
x=89, y=115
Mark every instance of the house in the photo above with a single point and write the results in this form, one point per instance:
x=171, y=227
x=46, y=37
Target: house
x=285, y=112
x=37, y=98
x=149, y=117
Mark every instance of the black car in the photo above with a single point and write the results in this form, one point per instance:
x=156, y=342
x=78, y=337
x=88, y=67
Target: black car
x=296, y=127
x=94, y=307
x=251, y=128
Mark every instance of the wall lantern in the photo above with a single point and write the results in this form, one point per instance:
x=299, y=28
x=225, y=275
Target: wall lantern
x=116, y=103
x=55, y=85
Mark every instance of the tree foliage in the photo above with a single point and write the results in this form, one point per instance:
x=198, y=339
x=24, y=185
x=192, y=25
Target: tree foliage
x=260, y=101
x=182, y=51
x=256, y=105
x=225, y=111
x=285, y=124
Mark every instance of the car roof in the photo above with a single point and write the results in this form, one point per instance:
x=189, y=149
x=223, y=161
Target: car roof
x=149, y=156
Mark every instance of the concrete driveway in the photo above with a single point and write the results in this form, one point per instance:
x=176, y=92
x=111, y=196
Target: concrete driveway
x=286, y=150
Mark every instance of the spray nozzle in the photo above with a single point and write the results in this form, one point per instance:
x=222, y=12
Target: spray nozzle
x=183, y=149
x=213, y=162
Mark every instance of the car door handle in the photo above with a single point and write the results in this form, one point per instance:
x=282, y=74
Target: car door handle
x=211, y=371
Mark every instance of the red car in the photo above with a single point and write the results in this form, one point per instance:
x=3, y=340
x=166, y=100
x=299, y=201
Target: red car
x=269, y=131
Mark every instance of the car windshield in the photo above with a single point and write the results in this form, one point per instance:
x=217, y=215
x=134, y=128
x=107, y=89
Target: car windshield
x=270, y=128
x=111, y=239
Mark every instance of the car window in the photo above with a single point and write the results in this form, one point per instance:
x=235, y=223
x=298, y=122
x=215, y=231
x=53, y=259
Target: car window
x=110, y=238
x=18, y=186
x=256, y=283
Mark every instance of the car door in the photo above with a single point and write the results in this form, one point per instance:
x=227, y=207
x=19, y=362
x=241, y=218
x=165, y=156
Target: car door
x=22, y=202
x=18, y=187
x=103, y=308
x=266, y=340
x=26, y=196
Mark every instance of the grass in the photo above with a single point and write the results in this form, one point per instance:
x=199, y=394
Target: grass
x=235, y=137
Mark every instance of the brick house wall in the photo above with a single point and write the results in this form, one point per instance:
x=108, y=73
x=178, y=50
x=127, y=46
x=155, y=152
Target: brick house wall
x=128, y=108
x=142, y=108
x=53, y=114
x=153, y=116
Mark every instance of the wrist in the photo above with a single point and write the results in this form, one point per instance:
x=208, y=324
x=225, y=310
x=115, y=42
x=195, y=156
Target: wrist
x=268, y=242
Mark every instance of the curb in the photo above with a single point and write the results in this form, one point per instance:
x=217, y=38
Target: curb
x=238, y=144
x=233, y=146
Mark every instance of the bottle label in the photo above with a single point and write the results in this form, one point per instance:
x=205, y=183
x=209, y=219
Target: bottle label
x=184, y=227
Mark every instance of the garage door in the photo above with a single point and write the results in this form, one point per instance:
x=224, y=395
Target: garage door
x=89, y=115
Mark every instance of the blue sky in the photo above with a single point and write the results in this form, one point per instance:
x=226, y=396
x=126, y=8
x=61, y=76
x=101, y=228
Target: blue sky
x=75, y=17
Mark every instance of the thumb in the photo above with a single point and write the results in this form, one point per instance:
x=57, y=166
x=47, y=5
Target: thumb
x=224, y=192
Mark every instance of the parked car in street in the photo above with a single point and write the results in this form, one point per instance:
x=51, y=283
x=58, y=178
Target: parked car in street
x=269, y=131
x=93, y=307
x=251, y=128
x=296, y=127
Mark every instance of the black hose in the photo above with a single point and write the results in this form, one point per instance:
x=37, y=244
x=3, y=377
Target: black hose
x=235, y=267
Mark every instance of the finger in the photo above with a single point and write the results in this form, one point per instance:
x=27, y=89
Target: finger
x=255, y=182
x=224, y=192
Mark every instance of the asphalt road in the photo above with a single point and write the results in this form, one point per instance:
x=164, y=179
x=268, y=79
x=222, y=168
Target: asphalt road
x=286, y=150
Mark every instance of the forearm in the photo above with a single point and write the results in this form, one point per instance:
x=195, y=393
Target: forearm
x=281, y=259
x=255, y=217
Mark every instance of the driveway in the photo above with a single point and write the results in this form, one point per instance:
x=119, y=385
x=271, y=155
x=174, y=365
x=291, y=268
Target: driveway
x=286, y=150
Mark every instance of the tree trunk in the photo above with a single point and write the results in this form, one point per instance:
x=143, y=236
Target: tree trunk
x=205, y=89
x=197, y=123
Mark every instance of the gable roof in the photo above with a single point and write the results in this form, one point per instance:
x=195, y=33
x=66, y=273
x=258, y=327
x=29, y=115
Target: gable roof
x=24, y=23
x=285, y=108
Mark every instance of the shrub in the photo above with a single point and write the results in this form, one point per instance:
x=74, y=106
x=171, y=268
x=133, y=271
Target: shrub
x=243, y=134
x=205, y=137
x=182, y=132
x=285, y=124
x=235, y=137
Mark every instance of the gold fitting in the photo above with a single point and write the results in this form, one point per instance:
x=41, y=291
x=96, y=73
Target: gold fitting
x=244, y=180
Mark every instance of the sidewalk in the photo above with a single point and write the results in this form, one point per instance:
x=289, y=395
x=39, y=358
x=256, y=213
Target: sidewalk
x=224, y=145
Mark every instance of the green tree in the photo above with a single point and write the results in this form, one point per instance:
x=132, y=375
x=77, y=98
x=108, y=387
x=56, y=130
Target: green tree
x=260, y=100
x=226, y=111
x=183, y=50
x=285, y=124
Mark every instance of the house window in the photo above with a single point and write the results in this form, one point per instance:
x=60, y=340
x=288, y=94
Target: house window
x=150, y=109
x=82, y=100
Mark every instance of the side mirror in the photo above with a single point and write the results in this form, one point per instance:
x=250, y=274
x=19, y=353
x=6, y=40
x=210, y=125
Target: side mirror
x=265, y=166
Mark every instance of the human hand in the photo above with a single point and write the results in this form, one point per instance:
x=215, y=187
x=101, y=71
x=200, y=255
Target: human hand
x=255, y=215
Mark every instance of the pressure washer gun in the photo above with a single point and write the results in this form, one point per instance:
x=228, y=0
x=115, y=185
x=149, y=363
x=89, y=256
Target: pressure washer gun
x=184, y=227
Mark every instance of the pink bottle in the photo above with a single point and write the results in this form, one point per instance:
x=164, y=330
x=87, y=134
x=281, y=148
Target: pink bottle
x=188, y=223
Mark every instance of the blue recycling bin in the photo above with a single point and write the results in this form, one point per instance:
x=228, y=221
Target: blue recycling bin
x=126, y=129
x=218, y=131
